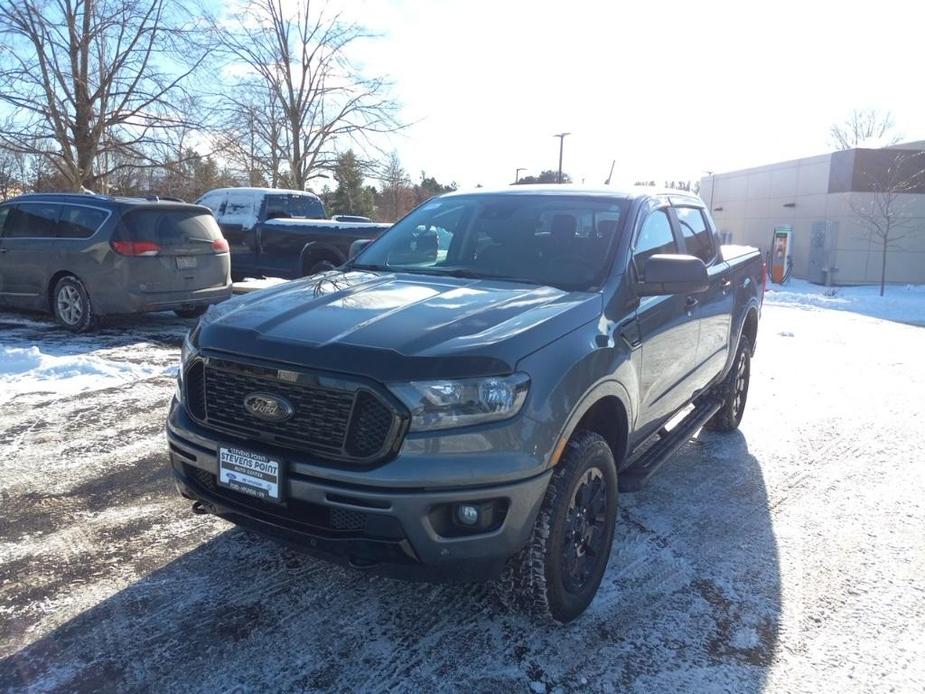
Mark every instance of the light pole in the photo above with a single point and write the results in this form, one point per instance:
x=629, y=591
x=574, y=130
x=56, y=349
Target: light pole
x=561, y=137
x=517, y=173
x=712, y=188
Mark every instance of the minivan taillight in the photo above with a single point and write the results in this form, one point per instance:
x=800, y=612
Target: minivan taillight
x=135, y=248
x=220, y=246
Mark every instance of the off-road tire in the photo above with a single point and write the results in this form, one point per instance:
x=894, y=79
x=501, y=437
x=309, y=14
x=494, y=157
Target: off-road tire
x=734, y=391
x=320, y=266
x=71, y=305
x=534, y=580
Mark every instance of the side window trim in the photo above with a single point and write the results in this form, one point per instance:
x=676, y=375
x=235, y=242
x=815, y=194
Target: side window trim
x=682, y=242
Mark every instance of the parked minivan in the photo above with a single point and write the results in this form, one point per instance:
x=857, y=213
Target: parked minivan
x=84, y=256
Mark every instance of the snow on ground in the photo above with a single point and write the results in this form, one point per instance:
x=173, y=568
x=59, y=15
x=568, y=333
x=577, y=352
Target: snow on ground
x=788, y=556
x=903, y=303
x=29, y=370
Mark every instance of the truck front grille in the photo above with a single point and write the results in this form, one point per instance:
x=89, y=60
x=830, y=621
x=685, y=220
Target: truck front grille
x=332, y=417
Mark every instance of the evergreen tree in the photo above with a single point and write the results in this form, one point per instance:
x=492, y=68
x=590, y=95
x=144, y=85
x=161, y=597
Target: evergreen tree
x=351, y=196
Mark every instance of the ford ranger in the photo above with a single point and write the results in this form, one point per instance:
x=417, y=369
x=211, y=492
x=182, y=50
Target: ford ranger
x=471, y=407
x=283, y=233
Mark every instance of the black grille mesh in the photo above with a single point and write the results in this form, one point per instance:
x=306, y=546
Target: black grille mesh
x=370, y=426
x=334, y=423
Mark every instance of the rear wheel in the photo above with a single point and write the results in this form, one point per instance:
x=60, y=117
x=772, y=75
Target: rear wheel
x=191, y=312
x=71, y=305
x=319, y=266
x=558, y=573
x=733, y=391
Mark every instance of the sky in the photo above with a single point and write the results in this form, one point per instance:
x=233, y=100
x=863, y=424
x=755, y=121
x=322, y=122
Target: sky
x=668, y=90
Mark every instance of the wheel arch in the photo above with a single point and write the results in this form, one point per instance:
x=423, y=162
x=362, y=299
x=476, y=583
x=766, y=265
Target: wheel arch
x=53, y=282
x=605, y=410
x=317, y=251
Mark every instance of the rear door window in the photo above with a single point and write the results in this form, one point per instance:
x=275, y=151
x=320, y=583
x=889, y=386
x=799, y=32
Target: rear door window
x=4, y=213
x=175, y=231
x=34, y=220
x=239, y=209
x=698, y=239
x=79, y=222
x=305, y=207
x=655, y=238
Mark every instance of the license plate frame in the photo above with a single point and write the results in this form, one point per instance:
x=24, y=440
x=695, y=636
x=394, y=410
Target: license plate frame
x=186, y=262
x=254, y=474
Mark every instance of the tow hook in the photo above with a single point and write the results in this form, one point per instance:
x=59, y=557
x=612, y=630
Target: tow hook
x=200, y=509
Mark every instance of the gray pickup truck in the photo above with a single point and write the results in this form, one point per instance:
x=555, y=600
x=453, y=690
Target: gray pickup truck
x=283, y=233
x=466, y=396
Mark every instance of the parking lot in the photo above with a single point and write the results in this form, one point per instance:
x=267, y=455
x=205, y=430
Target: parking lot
x=788, y=556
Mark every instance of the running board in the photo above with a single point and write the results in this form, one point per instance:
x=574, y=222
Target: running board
x=636, y=474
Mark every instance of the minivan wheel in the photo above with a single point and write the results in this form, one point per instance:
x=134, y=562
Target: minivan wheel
x=557, y=574
x=71, y=305
x=191, y=312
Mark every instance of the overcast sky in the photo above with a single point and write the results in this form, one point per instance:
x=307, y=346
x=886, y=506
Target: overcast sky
x=666, y=89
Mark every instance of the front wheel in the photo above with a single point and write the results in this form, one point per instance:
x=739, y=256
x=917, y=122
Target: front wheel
x=734, y=391
x=71, y=305
x=320, y=266
x=558, y=573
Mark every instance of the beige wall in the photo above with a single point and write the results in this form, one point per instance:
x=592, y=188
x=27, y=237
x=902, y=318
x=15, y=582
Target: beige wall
x=752, y=204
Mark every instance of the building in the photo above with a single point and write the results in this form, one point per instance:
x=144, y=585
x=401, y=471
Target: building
x=823, y=200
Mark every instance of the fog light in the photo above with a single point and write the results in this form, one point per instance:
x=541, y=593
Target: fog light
x=467, y=514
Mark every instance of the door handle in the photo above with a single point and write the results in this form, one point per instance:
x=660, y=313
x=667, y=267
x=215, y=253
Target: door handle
x=726, y=284
x=690, y=302
x=2, y=251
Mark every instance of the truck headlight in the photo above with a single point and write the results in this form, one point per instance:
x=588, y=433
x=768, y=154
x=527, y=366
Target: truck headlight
x=187, y=352
x=463, y=402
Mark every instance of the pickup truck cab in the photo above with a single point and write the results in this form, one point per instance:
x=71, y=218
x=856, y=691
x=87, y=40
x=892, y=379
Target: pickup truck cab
x=471, y=408
x=282, y=233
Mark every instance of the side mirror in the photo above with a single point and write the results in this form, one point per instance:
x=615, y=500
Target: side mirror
x=673, y=274
x=358, y=246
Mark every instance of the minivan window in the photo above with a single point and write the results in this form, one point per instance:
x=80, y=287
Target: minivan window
x=185, y=231
x=31, y=220
x=697, y=235
x=655, y=238
x=556, y=240
x=79, y=222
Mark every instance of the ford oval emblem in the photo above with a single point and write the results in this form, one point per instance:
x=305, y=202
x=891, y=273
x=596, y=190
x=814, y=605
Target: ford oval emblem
x=269, y=408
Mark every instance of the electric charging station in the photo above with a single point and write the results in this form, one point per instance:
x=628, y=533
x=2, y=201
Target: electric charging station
x=781, y=243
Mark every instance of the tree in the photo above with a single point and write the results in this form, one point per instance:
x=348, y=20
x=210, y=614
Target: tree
x=301, y=54
x=880, y=204
x=397, y=196
x=351, y=197
x=864, y=127
x=547, y=176
x=429, y=188
x=251, y=134
x=85, y=80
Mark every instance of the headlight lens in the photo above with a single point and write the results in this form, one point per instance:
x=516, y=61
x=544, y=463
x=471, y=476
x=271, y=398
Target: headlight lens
x=463, y=402
x=187, y=352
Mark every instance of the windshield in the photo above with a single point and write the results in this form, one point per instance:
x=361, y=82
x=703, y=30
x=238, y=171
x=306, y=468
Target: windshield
x=557, y=240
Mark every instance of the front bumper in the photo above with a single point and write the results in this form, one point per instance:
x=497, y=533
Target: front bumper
x=360, y=523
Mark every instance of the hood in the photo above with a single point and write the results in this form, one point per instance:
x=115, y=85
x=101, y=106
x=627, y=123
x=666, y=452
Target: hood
x=394, y=327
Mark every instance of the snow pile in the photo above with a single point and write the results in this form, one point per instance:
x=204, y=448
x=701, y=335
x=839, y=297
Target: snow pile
x=29, y=370
x=902, y=303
